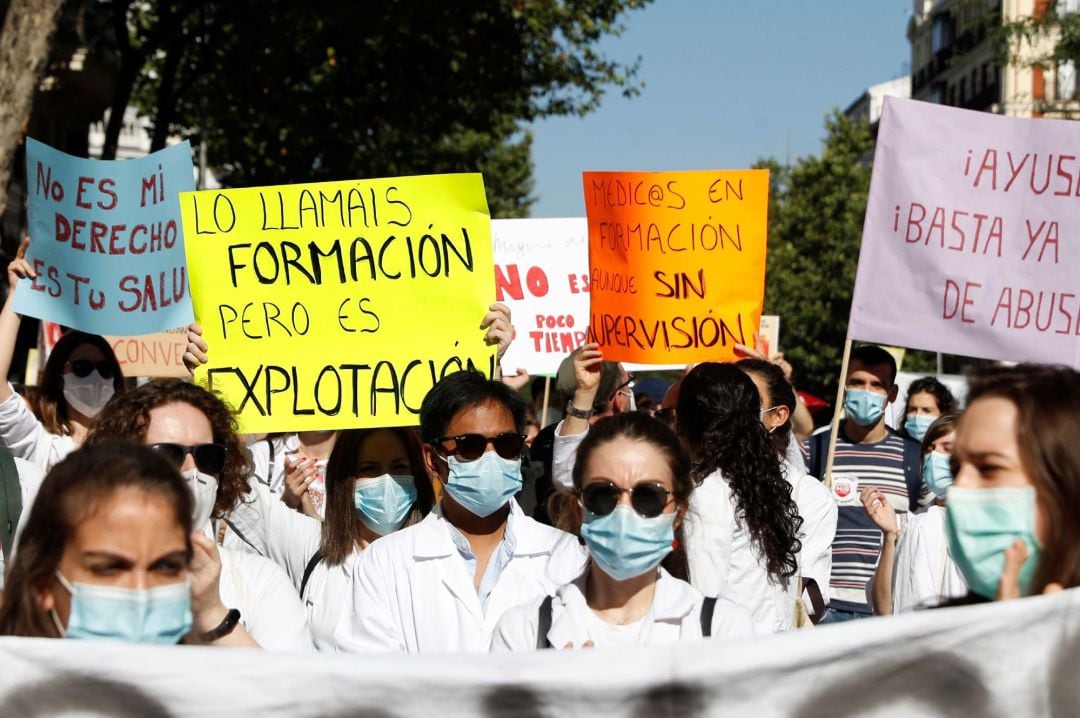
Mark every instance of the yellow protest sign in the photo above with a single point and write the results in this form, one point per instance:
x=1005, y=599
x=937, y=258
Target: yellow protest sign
x=339, y=304
x=676, y=263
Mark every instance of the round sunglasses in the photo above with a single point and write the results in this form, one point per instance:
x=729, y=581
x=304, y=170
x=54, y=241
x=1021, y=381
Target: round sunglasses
x=470, y=447
x=648, y=499
x=209, y=458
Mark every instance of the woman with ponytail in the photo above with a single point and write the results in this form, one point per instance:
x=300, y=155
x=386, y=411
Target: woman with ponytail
x=742, y=526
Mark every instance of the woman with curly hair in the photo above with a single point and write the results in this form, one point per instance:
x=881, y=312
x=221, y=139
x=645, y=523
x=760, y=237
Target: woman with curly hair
x=196, y=432
x=632, y=488
x=741, y=531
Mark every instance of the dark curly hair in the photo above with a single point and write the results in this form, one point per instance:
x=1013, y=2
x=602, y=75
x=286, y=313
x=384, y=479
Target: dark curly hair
x=127, y=416
x=341, y=530
x=718, y=415
x=946, y=402
x=50, y=404
x=636, y=426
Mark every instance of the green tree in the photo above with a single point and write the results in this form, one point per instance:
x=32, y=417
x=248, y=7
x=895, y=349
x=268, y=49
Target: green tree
x=816, y=215
x=332, y=89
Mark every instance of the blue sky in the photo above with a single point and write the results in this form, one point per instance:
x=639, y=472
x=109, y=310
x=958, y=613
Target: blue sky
x=726, y=82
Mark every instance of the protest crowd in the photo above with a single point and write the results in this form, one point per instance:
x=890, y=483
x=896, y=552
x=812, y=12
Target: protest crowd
x=500, y=511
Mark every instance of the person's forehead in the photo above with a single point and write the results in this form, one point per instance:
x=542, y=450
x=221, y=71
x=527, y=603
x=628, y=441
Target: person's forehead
x=881, y=371
x=488, y=418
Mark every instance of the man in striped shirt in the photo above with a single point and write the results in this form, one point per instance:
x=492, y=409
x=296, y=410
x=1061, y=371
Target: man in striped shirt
x=869, y=455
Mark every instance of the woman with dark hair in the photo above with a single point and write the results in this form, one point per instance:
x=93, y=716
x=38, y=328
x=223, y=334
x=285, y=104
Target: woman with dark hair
x=80, y=376
x=632, y=488
x=915, y=568
x=196, y=432
x=1011, y=511
x=816, y=506
x=108, y=553
x=375, y=484
x=743, y=523
x=927, y=399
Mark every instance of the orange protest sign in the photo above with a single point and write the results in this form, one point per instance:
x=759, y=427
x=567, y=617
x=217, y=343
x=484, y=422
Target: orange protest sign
x=676, y=263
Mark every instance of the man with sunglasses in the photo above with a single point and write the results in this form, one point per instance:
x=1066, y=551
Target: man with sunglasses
x=441, y=585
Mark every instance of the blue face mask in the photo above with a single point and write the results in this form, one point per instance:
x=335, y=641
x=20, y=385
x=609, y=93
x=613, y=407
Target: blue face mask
x=384, y=502
x=624, y=544
x=483, y=486
x=936, y=473
x=981, y=524
x=863, y=407
x=157, y=615
x=917, y=424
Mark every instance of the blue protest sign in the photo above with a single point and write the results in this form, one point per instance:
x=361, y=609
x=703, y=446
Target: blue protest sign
x=107, y=242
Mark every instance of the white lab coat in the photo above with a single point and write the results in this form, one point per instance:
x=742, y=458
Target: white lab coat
x=26, y=438
x=725, y=561
x=819, y=514
x=411, y=591
x=924, y=573
x=675, y=616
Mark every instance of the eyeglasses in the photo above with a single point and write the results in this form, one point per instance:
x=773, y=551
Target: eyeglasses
x=82, y=368
x=470, y=447
x=601, y=497
x=209, y=458
x=627, y=387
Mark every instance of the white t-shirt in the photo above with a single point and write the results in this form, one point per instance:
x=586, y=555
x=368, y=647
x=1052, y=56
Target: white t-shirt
x=26, y=438
x=675, y=615
x=725, y=561
x=925, y=573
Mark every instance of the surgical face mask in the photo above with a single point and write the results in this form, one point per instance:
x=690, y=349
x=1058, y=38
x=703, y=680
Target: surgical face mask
x=981, y=524
x=87, y=394
x=937, y=473
x=156, y=615
x=863, y=407
x=384, y=502
x=917, y=424
x=625, y=544
x=204, y=490
x=485, y=485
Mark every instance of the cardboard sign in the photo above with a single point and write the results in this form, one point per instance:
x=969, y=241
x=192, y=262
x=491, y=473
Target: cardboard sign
x=152, y=355
x=541, y=273
x=967, y=244
x=676, y=263
x=769, y=329
x=106, y=241
x=340, y=304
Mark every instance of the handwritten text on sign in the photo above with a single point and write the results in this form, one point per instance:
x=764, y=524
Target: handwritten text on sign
x=106, y=241
x=541, y=273
x=340, y=304
x=968, y=236
x=676, y=261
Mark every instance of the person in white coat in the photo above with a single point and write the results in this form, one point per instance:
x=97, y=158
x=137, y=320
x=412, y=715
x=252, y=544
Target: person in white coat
x=631, y=490
x=442, y=585
x=195, y=430
x=816, y=506
x=375, y=484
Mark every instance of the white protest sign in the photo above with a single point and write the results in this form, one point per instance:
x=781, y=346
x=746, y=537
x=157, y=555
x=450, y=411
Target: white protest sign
x=968, y=246
x=542, y=274
x=1015, y=658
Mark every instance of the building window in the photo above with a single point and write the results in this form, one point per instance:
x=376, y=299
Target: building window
x=1067, y=7
x=974, y=81
x=963, y=91
x=1066, y=80
x=937, y=95
x=939, y=37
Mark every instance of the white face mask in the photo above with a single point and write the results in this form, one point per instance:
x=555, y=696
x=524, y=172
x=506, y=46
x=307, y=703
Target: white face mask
x=204, y=491
x=87, y=394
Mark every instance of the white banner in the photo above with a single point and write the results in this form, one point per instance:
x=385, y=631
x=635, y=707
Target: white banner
x=1011, y=659
x=542, y=274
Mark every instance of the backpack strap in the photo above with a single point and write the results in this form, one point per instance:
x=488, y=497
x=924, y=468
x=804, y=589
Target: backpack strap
x=10, y=502
x=311, y=564
x=543, y=624
x=913, y=473
x=708, y=607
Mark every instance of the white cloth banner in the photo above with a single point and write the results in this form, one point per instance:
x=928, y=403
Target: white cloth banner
x=1011, y=659
x=969, y=241
x=542, y=274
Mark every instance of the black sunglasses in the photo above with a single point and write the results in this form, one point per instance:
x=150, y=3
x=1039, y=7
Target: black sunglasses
x=601, y=497
x=470, y=447
x=82, y=368
x=209, y=458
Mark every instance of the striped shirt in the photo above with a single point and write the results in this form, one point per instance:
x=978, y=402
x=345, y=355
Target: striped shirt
x=857, y=544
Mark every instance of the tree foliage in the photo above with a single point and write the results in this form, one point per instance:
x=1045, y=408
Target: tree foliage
x=816, y=213
x=283, y=91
